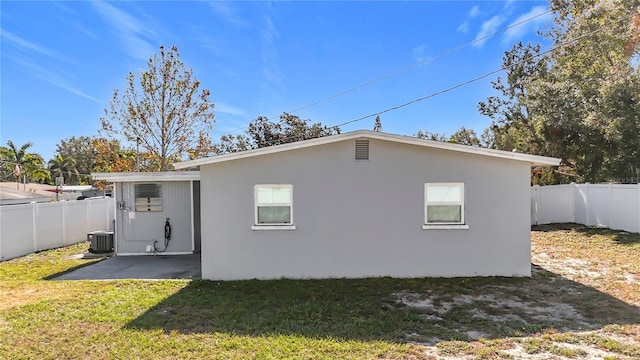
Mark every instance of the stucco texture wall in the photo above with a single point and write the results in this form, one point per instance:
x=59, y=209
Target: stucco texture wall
x=364, y=218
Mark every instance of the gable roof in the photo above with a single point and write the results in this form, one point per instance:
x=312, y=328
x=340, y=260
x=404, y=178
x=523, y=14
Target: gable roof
x=534, y=160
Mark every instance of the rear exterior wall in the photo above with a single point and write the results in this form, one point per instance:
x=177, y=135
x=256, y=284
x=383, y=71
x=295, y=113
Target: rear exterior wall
x=358, y=219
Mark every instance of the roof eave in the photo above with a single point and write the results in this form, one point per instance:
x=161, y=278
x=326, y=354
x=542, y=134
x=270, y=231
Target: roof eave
x=534, y=160
x=147, y=176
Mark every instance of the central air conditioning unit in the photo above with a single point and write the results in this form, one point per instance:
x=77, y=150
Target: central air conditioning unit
x=100, y=242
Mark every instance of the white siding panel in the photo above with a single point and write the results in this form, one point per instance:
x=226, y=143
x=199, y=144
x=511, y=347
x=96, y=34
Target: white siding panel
x=141, y=229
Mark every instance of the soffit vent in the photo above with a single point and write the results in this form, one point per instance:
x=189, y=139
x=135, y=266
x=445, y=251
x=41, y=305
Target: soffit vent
x=362, y=149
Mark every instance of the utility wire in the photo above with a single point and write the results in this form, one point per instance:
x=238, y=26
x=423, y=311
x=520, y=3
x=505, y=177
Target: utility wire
x=407, y=68
x=64, y=172
x=420, y=63
x=570, y=42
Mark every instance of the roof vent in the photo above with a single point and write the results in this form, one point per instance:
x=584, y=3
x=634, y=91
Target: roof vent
x=362, y=149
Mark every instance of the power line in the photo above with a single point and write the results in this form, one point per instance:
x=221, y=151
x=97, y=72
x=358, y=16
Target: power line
x=44, y=168
x=420, y=63
x=407, y=68
x=573, y=41
x=570, y=42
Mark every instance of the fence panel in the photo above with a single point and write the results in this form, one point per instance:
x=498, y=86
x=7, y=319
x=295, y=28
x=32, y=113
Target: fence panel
x=581, y=203
x=555, y=204
x=100, y=218
x=49, y=225
x=28, y=228
x=16, y=231
x=598, y=210
x=75, y=221
x=611, y=205
x=625, y=208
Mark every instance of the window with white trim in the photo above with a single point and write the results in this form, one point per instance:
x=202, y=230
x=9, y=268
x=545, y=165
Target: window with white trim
x=273, y=205
x=444, y=204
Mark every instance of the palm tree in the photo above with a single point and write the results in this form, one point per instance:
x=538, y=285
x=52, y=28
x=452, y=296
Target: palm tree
x=31, y=164
x=61, y=166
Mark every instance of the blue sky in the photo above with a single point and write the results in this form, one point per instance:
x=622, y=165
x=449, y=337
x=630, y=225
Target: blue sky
x=61, y=61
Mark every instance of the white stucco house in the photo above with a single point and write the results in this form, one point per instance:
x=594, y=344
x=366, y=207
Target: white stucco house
x=365, y=204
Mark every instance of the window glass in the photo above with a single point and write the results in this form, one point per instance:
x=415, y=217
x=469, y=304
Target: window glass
x=444, y=203
x=444, y=193
x=274, y=215
x=148, y=197
x=444, y=214
x=273, y=204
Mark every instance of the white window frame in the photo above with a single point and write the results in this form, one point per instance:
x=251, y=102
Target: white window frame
x=445, y=225
x=256, y=204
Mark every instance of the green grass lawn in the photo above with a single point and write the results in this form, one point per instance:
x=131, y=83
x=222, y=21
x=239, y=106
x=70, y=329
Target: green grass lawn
x=581, y=301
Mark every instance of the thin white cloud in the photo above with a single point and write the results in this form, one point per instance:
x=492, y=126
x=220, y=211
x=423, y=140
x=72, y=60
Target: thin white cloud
x=474, y=12
x=508, y=3
x=227, y=13
x=418, y=53
x=135, y=36
x=488, y=27
x=539, y=18
x=269, y=53
x=228, y=109
x=23, y=44
x=55, y=78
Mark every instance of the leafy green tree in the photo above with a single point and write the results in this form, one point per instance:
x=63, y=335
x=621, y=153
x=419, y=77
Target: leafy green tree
x=464, y=136
x=578, y=102
x=111, y=157
x=31, y=164
x=81, y=150
x=262, y=133
x=163, y=109
x=61, y=166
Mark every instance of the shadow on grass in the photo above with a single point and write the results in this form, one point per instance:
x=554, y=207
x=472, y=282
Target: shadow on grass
x=620, y=236
x=376, y=309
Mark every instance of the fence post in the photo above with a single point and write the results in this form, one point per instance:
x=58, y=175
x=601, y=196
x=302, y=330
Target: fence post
x=87, y=216
x=534, y=208
x=574, y=187
x=34, y=224
x=64, y=222
x=639, y=206
x=586, y=203
x=610, y=201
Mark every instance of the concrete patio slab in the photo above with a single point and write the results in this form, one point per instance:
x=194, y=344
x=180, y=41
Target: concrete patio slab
x=139, y=267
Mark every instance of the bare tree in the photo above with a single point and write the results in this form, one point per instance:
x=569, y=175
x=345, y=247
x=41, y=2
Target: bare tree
x=162, y=110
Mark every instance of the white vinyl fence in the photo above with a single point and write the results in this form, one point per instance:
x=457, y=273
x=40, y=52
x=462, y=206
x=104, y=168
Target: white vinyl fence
x=39, y=226
x=614, y=206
